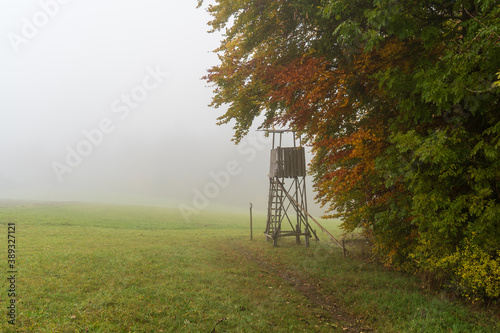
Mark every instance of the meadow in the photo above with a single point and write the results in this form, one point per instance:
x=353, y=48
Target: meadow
x=84, y=267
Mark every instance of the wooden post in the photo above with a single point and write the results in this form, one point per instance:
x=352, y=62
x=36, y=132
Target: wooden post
x=298, y=231
x=251, y=231
x=343, y=248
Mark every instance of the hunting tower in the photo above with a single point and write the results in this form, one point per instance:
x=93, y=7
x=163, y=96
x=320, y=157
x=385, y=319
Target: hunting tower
x=287, y=203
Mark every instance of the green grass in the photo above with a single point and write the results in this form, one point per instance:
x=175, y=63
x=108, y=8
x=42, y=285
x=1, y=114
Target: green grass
x=102, y=268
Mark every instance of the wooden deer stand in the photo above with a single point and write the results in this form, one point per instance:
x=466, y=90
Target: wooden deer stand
x=287, y=193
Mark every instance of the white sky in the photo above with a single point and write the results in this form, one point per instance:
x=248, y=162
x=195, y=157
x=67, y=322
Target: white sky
x=66, y=67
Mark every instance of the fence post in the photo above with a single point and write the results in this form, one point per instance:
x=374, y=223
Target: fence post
x=251, y=231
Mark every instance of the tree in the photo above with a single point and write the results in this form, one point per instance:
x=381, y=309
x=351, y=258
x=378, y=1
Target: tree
x=399, y=103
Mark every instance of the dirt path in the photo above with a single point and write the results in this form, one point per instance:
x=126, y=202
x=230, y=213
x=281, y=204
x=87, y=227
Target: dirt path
x=331, y=309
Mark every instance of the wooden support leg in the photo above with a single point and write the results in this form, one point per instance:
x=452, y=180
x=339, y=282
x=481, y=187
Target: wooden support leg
x=297, y=230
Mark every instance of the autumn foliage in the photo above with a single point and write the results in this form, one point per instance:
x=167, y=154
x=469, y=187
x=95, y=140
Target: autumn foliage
x=399, y=101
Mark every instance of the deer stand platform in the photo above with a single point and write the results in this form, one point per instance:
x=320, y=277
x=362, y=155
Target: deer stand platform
x=287, y=205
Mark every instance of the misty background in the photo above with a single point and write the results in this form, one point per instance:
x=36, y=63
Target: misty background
x=67, y=66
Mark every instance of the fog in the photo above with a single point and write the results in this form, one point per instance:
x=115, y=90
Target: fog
x=103, y=101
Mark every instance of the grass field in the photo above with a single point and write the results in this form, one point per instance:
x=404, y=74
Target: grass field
x=102, y=268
